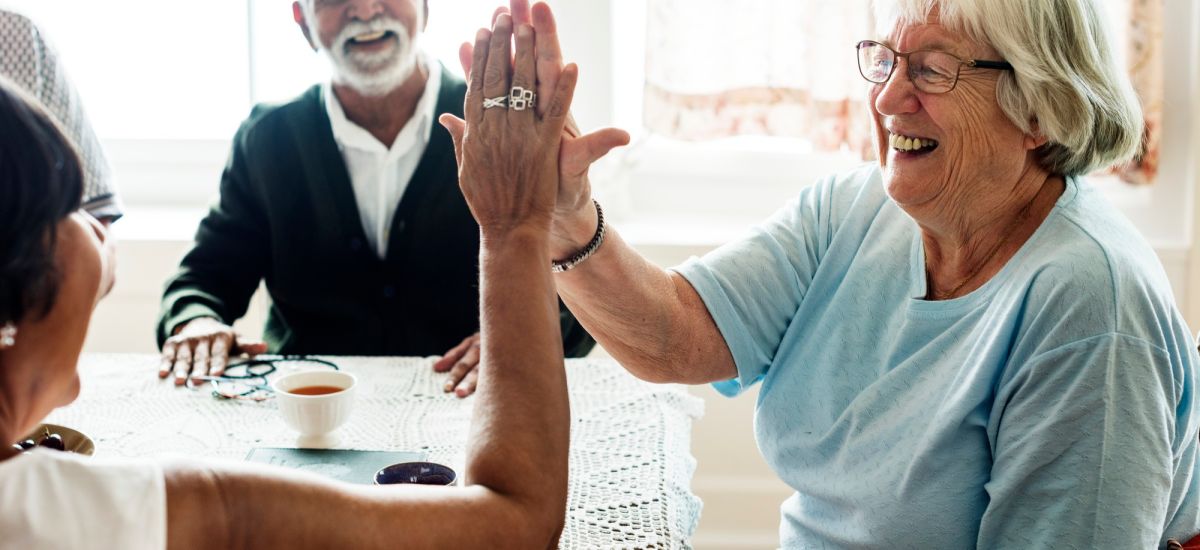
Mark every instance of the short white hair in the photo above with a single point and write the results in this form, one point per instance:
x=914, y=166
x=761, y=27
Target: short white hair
x=1065, y=76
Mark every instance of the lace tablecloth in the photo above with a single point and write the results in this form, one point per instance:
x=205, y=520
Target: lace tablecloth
x=631, y=466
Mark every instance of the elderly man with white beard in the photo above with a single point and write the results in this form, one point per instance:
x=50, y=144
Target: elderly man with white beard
x=345, y=201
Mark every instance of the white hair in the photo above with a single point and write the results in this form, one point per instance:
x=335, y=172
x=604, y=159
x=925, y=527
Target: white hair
x=1065, y=79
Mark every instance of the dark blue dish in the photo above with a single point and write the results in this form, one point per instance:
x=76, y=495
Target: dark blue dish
x=421, y=473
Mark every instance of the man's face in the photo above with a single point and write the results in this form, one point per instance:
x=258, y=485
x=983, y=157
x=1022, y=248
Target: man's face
x=371, y=44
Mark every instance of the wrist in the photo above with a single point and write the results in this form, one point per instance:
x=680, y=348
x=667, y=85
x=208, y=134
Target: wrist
x=569, y=263
x=194, y=320
x=570, y=233
x=497, y=239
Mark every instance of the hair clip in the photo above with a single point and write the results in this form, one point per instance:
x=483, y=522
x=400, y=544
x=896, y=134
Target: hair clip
x=8, y=335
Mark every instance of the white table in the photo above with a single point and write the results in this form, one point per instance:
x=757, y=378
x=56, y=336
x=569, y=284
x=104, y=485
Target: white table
x=631, y=466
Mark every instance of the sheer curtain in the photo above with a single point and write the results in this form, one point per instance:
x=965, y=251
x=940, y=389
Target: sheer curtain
x=720, y=68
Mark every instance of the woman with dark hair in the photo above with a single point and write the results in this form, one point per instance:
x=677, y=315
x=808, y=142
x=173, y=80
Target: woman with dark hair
x=56, y=264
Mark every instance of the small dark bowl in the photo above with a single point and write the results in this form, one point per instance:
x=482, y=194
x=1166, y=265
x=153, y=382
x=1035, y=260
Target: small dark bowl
x=420, y=473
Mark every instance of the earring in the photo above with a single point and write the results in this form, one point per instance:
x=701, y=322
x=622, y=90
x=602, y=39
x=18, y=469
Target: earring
x=8, y=335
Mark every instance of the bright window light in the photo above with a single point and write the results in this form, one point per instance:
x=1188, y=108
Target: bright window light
x=156, y=69
x=149, y=68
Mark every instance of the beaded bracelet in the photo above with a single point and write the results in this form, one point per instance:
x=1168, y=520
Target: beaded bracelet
x=592, y=246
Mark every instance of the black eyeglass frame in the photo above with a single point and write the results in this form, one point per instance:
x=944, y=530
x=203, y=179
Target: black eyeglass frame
x=257, y=369
x=970, y=63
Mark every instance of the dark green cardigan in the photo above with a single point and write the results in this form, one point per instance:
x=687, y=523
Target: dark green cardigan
x=287, y=215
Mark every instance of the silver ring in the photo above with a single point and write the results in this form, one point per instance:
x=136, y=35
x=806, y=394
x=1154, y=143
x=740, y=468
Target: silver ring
x=489, y=102
x=521, y=98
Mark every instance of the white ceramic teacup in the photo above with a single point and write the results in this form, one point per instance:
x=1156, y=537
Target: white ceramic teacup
x=315, y=416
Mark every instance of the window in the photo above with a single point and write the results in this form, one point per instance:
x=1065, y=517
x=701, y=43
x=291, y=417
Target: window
x=167, y=82
x=153, y=68
x=169, y=69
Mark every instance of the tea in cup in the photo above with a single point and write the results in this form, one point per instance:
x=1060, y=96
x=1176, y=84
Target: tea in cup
x=315, y=403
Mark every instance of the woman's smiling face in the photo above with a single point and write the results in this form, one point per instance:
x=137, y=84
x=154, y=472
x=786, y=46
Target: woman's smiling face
x=975, y=141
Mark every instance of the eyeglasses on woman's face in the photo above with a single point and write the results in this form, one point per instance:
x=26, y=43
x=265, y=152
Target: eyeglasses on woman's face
x=931, y=71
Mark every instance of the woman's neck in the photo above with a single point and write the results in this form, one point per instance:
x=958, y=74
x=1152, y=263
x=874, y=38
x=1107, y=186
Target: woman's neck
x=967, y=244
x=23, y=401
x=11, y=420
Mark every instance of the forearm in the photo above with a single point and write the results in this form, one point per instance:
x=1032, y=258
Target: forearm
x=237, y=506
x=521, y=424
x=651, y=320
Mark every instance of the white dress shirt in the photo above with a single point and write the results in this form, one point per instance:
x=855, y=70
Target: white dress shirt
x=380, y=174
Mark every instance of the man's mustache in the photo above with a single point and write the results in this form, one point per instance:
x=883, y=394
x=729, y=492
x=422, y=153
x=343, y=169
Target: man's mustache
x=378, y=24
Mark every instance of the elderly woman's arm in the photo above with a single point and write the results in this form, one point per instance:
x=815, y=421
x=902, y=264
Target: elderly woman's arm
x=650, y=319
x=516, y=471
x=517, y=462
x=1083, y=448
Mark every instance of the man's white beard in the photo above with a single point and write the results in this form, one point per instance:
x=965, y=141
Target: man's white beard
x=372, y=74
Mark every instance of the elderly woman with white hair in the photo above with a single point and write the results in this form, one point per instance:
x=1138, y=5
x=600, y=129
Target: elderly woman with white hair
x=961, y=345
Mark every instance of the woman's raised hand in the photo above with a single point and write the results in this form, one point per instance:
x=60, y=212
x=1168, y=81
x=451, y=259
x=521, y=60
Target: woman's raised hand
x=573, y=209
x=507, y=147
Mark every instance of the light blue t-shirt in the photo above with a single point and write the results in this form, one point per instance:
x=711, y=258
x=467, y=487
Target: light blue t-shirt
x=1054, y=407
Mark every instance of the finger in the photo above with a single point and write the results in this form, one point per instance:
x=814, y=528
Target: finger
x=474, y=101
x=520, y=12
x=523, y=74
x=465, y=53
x=200, y=364
x=560, y=105
x=496, y=14
x=220, y=354
x=549, y=53
x=592, y=147
x=457, y=128
x=183, y=362
x=467, y=386
x=498, y=70
x=168, y=359
x=455, y=353
x=465, y=365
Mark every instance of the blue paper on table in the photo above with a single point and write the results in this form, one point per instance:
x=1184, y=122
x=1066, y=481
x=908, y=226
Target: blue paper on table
x=341, y=464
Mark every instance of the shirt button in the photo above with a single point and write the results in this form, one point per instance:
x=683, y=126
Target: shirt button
x=400, y=226
x=389, y=291
x=356, y=244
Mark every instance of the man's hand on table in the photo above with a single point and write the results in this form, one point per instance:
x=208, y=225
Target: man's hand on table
x=202, y=347
x=461, y=361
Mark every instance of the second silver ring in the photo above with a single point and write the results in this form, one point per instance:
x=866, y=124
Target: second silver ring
x=522, y=98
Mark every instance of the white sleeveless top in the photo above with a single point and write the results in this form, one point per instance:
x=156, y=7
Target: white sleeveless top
x=51, y=499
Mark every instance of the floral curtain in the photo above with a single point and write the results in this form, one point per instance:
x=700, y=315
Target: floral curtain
x=1145, y=59
x=759, y=67
x=787, y=68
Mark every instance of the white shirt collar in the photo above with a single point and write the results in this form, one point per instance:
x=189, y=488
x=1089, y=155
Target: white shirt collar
x=416, y=131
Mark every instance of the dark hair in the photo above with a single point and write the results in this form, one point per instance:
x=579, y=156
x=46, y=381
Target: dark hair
x=41, y=182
